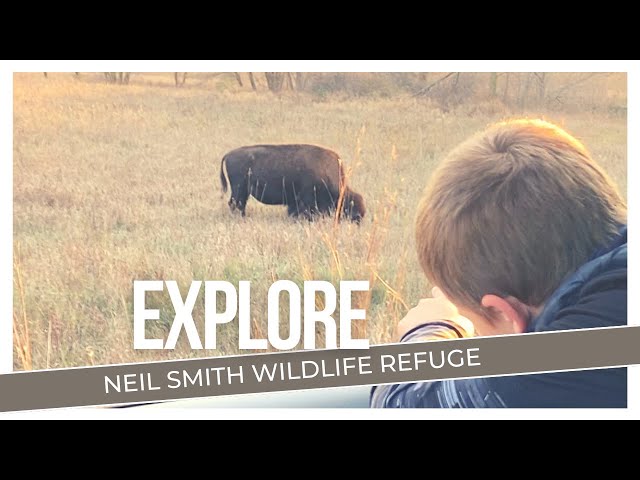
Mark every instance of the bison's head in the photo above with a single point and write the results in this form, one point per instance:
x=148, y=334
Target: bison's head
x=353, y=206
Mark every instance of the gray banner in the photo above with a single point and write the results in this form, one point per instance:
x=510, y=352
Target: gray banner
x=410, y=362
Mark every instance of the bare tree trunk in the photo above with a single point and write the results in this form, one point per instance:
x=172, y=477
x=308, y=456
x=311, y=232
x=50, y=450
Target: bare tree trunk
x=252, y=81
x=493, y=84
x=524, y=90
x=289, y=81
x=176, y=77
x=275, y=81
x=121, y=78
x=570, y=85
x=505, y=95
x=541, y=79
x=238, y=78
x=425, y=90
x=301, y=81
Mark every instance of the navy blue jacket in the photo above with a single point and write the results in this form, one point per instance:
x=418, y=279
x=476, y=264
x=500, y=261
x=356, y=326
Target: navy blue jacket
x=594, y=296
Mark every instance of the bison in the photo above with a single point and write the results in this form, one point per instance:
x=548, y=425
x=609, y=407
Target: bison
x=306, y=178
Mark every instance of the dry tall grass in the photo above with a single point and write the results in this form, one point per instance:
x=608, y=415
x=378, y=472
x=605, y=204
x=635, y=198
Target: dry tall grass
x=120, y=183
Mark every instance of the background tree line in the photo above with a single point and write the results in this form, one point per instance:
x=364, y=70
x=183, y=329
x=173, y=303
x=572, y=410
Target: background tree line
x=446, y=89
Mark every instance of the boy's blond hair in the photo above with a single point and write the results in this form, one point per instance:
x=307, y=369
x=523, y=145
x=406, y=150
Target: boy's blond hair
x=512, y=211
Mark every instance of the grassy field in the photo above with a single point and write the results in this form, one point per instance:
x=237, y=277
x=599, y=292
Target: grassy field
x=120, y=183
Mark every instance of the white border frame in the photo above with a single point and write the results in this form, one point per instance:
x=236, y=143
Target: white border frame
x=6, y=221
x=6, y=216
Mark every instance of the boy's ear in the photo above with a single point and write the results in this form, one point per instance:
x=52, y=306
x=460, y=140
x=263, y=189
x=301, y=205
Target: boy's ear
x=510, y=312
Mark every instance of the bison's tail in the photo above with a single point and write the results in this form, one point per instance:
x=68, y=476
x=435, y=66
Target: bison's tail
x=223, y=177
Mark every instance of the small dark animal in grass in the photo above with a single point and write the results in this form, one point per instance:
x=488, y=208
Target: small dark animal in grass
x=306, y=178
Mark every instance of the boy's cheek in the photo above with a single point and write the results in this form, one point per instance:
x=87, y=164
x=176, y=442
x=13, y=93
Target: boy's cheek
x=482, y=326
x=485, y=327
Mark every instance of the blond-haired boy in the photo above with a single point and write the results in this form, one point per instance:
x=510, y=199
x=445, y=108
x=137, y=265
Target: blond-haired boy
x=520, y=231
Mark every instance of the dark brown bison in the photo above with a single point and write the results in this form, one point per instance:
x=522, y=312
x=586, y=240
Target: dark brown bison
x=306, y=178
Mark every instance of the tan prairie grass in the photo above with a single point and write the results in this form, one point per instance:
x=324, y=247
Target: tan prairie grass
x=21, y=337
x=120, y=183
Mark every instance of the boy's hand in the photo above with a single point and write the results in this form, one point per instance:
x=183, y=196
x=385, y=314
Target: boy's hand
x=435, y=309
